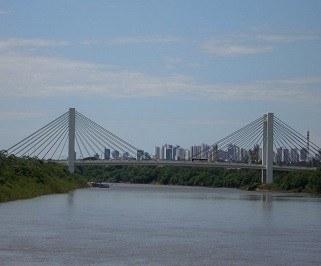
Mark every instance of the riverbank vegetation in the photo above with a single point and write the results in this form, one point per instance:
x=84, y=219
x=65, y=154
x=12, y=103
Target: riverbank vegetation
x=28, y=177
x=301, y=181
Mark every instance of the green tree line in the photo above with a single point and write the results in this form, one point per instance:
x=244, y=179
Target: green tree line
x=298, y=181
x=29, y=177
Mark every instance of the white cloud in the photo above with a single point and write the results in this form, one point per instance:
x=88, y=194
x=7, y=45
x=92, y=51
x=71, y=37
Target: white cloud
x=250, y=44
x=14, y=43
x=34, y=76
x=287, y=38
x=230, y=48
x=133, y=40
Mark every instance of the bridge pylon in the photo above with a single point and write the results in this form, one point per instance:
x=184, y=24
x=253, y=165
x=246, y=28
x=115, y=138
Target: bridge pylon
x=267, y=149
x=71, y=140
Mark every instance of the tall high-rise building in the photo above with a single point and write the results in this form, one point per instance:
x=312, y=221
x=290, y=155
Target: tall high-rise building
x=167, y=152
x=115, y=154
x=180, y=154
x=213, y=153
x=140, y=155
x=294, y=155
x=286, y=156
x=279, y=155
x=244, y=155
x=107, y=154
x=126, y=156
x=196, y=152
x=223, y=155
x=157, y=153
x=255, y=153
x=174, y=150
x=187, y=155
x=231, y=152
x=303, y=155
x=205, y=148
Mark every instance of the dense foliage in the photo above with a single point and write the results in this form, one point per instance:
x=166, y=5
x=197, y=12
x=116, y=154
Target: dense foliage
x=303, y=181
x=29, y=177
x=215, y=177
x=300, y=181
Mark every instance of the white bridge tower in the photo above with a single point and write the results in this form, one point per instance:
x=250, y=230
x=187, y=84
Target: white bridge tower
x=71, y=139
x=267, y=150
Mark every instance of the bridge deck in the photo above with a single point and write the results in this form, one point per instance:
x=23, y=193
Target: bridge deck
x=185, y=163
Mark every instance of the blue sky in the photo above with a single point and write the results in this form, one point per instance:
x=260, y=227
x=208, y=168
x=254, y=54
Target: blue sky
x=180, y=72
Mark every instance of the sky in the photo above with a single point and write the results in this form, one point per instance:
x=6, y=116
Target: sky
x=153, y=72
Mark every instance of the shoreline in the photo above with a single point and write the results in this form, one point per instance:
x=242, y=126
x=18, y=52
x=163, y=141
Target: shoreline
x=273, y=192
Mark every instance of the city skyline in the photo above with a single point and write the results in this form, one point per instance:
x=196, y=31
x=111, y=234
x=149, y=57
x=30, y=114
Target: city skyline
x=231, y=153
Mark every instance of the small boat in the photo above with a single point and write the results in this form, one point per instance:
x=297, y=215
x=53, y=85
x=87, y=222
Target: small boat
x=99, y=185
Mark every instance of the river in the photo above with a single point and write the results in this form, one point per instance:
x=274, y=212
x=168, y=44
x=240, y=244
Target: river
x=161, y=225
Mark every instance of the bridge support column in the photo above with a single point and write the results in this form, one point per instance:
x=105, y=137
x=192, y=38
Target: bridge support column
x=71, y=138
x=269, y=148
x=267, y=151
x=263, y=175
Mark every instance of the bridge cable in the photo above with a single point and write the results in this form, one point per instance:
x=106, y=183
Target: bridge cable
x=110, y=138
x=87, y=132
x=44, y=139
x=53, y=154
x=299, y=142
x=296, y=133
x=36, y=132
x=232, y=134
x=30, y=145
x=78, y=136
x=103, y=138
x=55, y=141
x=107, y=131
x=252, y=128
x=20, y=146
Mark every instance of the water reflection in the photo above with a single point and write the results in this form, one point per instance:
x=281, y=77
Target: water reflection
x=266, y=200
x=70, y=198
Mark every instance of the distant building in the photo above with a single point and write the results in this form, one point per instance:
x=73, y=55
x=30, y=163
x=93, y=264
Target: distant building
x=255, y=153
x=147, y=156
x=115, y=154
x=222, y=155
x=107, y=154
x=174, y=152
x=295, y=155
x=180, y=154
x=244, y=155
x=140, y=155
x=205, y=148
x=157, y=153
x=231, y=152
x=303, y=155
x=187, y=155
x=286, y=156
x=167, y=152
x=196, y=152
x=279, y=155
x=260, y=154
x=126, y=156
x=213, y=153
x=162, y=153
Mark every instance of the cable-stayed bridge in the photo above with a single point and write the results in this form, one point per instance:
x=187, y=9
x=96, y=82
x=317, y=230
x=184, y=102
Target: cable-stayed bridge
x=267, y=144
